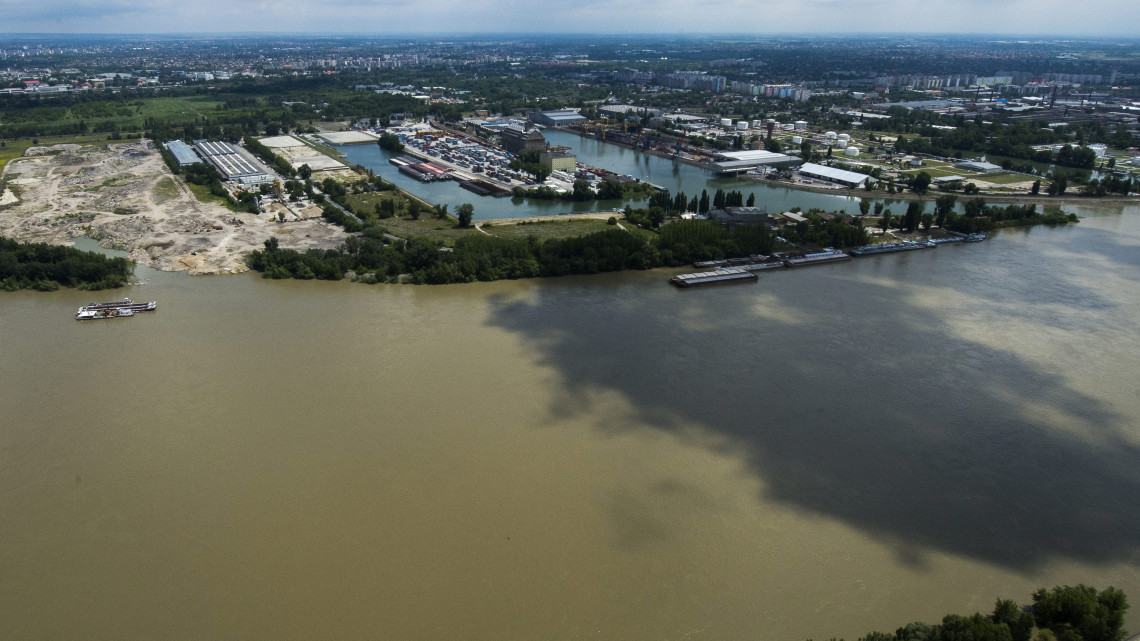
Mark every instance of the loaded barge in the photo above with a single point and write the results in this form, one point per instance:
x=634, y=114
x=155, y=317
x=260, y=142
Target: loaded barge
x=114, y=309
x=828, y=255
x=888, y=248
x=715, y=277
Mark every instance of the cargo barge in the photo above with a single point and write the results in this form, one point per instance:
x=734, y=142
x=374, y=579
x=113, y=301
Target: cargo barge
x=715, y=277
x=94, y=314
x=889, y=248
x=126, y=303
x=815, y=258
x=114, y=309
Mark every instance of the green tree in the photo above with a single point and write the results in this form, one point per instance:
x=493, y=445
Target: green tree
x=1036, y=189
x=465, y=213
x=864, y=207
x=921, y=182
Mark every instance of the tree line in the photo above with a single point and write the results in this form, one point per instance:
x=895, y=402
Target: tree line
x=1064, y=613
x=46, y=267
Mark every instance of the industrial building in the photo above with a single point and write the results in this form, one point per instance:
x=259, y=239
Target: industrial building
x=232, y=163
x=558, y=161
x=733, y=216
x=621, y=112
x=979, y=166
x=516, y=139
x=831, y=174
x=739, y=162
x=562, y=118
x=182, y=153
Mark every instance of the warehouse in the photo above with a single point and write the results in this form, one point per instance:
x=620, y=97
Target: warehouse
x=979, y=166
x=515, y=139
x=231, y=162
x=562, y=118
x=558, y=161
x=831, y=174
x=739, y=162
x=182, y=153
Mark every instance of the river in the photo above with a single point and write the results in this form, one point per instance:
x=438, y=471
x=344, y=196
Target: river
x=663, y=172
x=829, y=451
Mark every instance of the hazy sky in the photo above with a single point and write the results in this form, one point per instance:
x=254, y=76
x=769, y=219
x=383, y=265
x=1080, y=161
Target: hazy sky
x=1091, y=17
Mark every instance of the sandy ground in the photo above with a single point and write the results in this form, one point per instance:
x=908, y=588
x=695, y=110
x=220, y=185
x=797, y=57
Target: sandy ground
x=121, y=196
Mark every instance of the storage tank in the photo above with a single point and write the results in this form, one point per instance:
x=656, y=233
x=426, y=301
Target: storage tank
x=757, y=124
x=726, y=122
x=801, y=124
x=1136, y=161
x=845, y=136
x=797, y=140
x=831, y=135
x=742, y=125
x=841, y=143
x=772, y=120
x=851, y=151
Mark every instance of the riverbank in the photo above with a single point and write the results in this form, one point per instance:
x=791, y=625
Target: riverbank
x=930, y=196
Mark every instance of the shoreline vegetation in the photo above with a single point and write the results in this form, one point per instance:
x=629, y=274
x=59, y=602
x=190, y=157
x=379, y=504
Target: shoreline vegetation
x=1064, y=613
x=45, y=268
x=379, y=256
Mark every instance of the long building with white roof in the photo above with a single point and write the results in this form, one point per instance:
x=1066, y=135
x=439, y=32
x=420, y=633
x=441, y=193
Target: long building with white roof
x=739, y=162
x=832, y=174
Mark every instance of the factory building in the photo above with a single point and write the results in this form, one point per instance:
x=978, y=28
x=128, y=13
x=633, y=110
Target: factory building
x=232, y=163
x=558, y=161
x=562, y=118
x=515, y=139
x=739, y=162
x=182, y=153
x=977, y=165
x=831, y=174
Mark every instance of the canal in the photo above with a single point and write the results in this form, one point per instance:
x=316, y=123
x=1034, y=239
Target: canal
x=664, y=172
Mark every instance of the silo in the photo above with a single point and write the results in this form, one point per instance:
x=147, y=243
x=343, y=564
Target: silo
x=845, y=136
x=726, y=122
x=797, y=140
x=841, y=143
x=757, y=124
x=801, y=124
x=831, y=135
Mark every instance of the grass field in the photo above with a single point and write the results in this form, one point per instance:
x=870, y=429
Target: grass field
x=164, y=190
x=1005, y=179
x=547, y=228
x=202, y=193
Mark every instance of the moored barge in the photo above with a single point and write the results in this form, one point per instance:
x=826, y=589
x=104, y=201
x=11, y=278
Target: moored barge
x=715, y=277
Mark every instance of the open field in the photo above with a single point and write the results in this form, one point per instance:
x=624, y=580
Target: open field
x=547, y=228
x=123, y=196
x=129, y=115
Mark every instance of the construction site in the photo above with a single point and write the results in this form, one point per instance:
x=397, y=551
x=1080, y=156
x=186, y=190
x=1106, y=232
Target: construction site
x=124, y=197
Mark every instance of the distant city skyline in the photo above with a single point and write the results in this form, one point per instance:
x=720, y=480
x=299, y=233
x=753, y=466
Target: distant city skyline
x=1030, y=17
